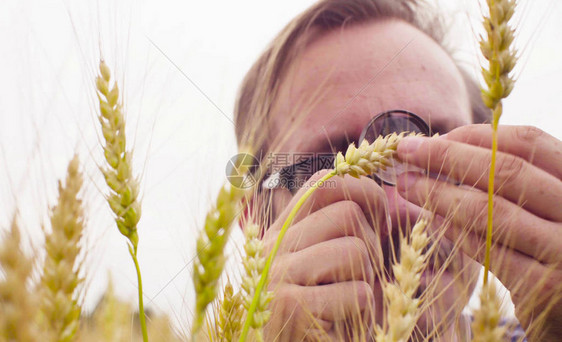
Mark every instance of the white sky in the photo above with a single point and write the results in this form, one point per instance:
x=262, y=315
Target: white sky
x=48, y=59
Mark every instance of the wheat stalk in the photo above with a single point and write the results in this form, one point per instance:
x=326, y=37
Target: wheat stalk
x=124, y=188
x=362, y=161
x=17, y=316
x=402, y=305
x=209, y=263
x=60, y=280
x=254, y=263
x=230, y=315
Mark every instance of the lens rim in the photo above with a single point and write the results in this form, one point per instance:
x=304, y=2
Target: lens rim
x=416, y=119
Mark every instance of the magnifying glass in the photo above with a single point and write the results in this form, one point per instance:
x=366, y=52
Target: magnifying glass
x=294, y=176
x=394, y=121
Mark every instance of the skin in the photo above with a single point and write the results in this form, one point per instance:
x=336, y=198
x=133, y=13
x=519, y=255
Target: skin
x=327, y=272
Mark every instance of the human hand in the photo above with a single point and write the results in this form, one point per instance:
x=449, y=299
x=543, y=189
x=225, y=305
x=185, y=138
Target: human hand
x=527, y=252
x=324, y=275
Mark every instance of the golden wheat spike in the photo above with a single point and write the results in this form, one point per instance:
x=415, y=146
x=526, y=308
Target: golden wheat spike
x=230, y=315
x=124, y=188
x=18, y=312
x=61, y=279
x=400, y=296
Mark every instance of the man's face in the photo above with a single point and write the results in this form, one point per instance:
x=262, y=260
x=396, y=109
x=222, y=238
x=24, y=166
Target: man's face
x=345, y=77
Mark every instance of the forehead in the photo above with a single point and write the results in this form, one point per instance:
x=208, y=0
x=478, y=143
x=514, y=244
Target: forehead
x=345, y=77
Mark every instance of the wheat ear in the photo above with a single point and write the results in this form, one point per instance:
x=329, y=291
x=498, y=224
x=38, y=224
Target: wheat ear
x=209, y=262
x=60, y=280
x=485, y=327
x=402, y=305
x=17, y=316
x=124, y=188
x=230, y=315
x=497, y=48
x=362, y=161
x=254, y=263
x=368, y=158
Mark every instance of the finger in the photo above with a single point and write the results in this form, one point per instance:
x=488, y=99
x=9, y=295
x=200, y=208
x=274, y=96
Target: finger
x=532, y=285
x=344, y=218
x=515, y=179
x=331, y=302
x=291, y=319
x=332, y=261
x=315, y=311
x=467, y=208
x=527, y=142
x=319, y=330
x=364, y=191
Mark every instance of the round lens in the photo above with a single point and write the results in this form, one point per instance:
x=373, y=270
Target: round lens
x=395, y=121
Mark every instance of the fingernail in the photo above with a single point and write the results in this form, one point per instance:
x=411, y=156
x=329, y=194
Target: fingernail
x=407, y=180
x=409, y=146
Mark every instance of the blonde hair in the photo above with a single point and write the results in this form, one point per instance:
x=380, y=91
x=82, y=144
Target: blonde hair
x=260, y=87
